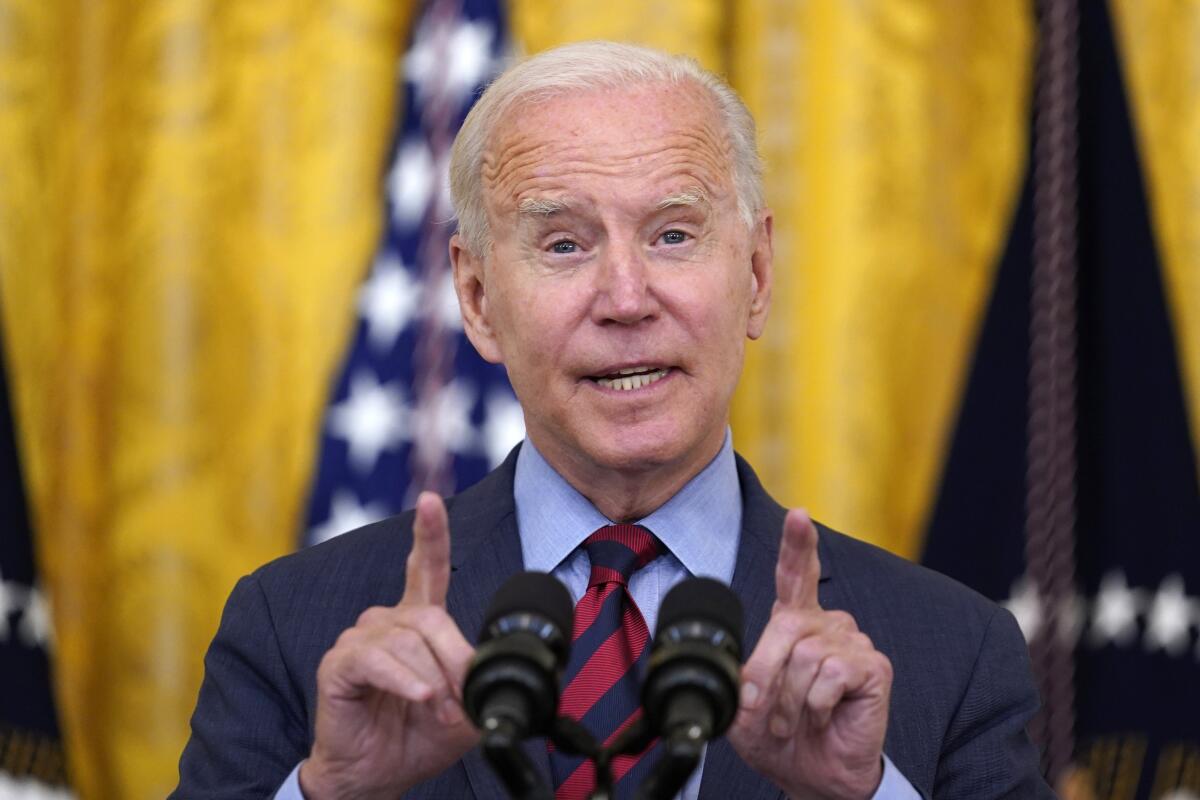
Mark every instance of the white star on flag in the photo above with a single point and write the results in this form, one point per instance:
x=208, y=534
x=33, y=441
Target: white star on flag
x=346, y=514
x=411, y=182
x=1114, y=618
x=1170, y=617
x=373, y=418
x=1026, y=606
x=468, y=47
x=503, y=427
x=35, y=628
x=388, y=301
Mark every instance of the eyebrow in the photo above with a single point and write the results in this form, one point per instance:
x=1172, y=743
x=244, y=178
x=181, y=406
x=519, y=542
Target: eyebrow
x=693, y=196
x=543, y=206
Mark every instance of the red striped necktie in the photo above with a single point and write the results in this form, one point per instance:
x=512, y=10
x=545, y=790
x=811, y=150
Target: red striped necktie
x=608, y=655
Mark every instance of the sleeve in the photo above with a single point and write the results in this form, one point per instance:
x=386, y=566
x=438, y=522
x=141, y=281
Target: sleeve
x=893, y=785
x=248, y=729
x=987, y=752
x=290, y=790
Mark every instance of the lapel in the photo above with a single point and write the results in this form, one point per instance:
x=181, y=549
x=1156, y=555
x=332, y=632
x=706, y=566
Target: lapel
x=485, y=551
x=725, y=774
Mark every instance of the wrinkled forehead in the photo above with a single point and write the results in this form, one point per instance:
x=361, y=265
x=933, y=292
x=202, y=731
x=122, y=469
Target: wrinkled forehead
x=661, y=138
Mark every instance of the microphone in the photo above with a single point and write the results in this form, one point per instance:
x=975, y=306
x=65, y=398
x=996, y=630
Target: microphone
x=512, y=687
x=513, y=681
x=691, y=691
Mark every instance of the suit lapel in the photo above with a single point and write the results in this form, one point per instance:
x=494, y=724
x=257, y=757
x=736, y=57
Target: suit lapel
x=725, y=774
x=485, y=552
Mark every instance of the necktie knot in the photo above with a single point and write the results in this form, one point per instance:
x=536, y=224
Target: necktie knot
x=617, y=551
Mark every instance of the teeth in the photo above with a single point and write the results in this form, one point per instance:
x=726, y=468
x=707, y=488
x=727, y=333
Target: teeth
x=632, y=379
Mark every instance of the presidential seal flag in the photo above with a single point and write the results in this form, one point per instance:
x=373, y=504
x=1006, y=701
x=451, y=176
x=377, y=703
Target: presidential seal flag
x=1123, y=601
x=414, y=406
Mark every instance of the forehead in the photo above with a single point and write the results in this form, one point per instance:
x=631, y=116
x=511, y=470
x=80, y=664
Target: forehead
x=656, y=140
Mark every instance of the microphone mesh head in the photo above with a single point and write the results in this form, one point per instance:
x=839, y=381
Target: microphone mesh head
x=703, y=599
x=532, y=593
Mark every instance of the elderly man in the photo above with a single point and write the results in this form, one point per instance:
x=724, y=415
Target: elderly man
x=614, y=253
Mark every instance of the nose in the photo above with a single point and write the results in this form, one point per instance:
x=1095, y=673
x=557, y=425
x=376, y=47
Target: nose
x=624, y=293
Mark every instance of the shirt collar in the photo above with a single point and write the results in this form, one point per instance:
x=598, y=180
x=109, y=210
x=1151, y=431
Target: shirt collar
x=701, y=524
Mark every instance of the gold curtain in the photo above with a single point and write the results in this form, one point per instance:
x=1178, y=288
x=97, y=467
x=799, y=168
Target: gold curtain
x=190, y=192
x=895, y=140
x=1157, y=43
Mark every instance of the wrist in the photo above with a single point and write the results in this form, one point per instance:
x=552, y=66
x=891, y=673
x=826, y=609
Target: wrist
x=850, y=787
x=320, y=781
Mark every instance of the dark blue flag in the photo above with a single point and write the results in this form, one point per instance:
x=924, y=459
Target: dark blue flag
x=415, y=407
x=1133, y=619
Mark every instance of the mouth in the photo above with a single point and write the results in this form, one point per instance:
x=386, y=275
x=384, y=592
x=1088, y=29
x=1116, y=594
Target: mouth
x=629, y=379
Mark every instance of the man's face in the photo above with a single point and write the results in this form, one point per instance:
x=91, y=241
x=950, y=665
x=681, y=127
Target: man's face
x=622, y=283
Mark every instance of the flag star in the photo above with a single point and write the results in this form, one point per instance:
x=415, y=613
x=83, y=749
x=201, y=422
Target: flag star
x=371, y=419
x=503, y=427
x=411, y=183
x=449, y=63
x=346, y=514
x=35, y=629
x=1114, y=617
x=1026, y=606
x=1170, y=617
x=444, y=422
x=388, y=301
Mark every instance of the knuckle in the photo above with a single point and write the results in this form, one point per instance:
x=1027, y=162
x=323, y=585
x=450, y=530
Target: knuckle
x=808, y=650
x=373, y=616
x=861, y=641
x=842, y=620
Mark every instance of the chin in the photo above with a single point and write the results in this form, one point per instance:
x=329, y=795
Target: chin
x=639, y=447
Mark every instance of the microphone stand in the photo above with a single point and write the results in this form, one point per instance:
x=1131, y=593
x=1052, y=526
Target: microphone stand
x=501, y=746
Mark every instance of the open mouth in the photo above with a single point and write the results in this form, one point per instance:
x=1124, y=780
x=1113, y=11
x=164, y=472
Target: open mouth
x=626, y=380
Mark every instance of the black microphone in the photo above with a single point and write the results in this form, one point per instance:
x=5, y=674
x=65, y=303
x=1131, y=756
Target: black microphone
x=514, y=677
x=691, y=691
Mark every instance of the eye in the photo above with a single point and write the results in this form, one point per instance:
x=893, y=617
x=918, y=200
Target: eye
x=673, y=237
x=564, y=246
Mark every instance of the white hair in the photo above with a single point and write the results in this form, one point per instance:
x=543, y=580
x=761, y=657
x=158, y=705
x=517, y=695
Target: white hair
x=589, y=66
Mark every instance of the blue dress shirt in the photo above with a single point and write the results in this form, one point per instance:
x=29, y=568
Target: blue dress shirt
x=553, y=519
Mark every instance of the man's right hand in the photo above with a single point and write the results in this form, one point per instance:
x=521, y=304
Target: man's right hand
x=389, y=705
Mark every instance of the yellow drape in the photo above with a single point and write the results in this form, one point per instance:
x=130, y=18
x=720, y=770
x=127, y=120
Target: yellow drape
x=1157, y=42
x=895, y=137
x=190, y=192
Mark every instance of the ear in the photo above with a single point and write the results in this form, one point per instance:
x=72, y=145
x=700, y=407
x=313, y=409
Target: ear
x=761, y=261
x=471, y=287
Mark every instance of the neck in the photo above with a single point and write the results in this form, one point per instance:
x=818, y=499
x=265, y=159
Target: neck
x=626, y=493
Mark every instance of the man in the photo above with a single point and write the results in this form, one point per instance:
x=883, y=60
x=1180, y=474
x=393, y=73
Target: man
x=614, y=253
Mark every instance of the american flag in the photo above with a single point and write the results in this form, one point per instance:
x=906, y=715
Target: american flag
x=414, y=406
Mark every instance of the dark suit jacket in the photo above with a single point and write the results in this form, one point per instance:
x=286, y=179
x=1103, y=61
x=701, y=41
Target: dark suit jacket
x=960, y=701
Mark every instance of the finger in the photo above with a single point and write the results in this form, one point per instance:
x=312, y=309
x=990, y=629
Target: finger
x=427, y=575
x=798, y=570
x=804, y=663
x=348, y=674
x=762, y=672
x=450, y=649
x=837, y=677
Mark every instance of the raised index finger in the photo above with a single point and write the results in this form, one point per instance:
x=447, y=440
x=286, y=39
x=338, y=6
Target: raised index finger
x=427, y=574
x=798, y=570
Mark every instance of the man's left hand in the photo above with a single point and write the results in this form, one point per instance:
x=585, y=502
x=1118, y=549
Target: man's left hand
x=815, y=691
